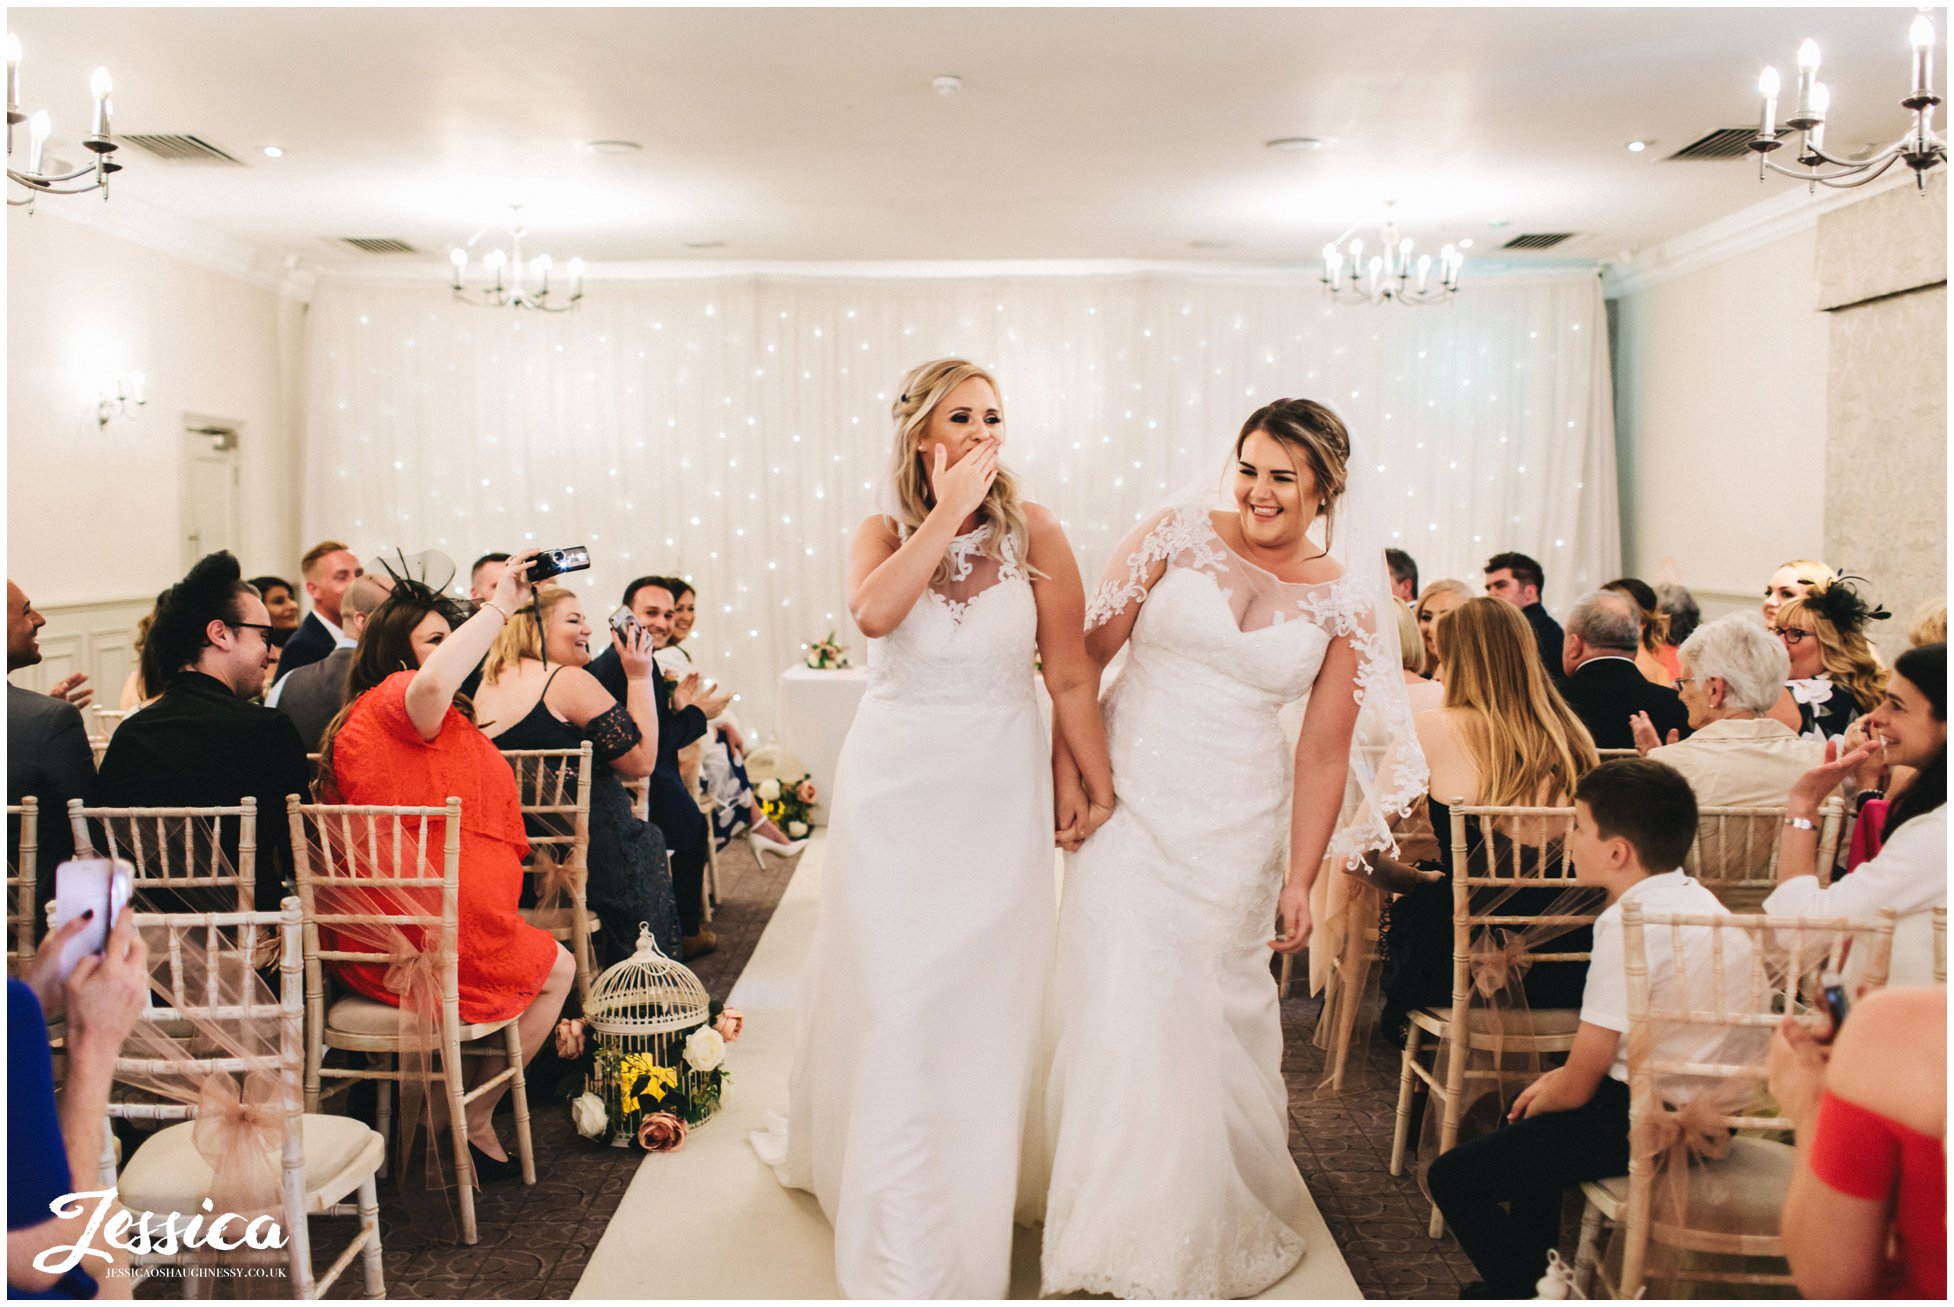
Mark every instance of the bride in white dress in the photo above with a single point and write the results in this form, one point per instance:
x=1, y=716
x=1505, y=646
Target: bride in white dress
x=1166, y=1109
x=922, y=999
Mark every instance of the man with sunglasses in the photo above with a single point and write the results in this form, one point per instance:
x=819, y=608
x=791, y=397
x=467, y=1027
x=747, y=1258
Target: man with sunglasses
x=204, y=744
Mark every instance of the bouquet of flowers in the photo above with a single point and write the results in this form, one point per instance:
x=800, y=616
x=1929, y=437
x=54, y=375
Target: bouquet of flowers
x=790, y=802
x=637, y=1096
x=827, y=655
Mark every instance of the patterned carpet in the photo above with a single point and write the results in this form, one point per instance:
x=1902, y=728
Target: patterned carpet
x=536, y=1241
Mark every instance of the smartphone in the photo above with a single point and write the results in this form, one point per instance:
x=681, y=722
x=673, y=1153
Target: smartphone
x=555, y=562
x=625, y=623
x=1831, y=988
x=81, y=884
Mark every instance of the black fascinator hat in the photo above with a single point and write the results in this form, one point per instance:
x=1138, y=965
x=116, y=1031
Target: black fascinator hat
x=422, y=580
x=1844, y=607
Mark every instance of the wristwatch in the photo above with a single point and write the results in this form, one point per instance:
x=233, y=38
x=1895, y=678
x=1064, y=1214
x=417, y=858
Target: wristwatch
x=1860, y=799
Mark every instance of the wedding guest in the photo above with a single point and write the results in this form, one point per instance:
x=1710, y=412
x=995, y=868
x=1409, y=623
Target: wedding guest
x=1835, y=676
x=281, y=601
x=1929, y=624
x=1680, y=607
x=203, y=743
x=483, y=576
x=1423, y=695
x=1501, y=1192
x=1518, y=580
x=1655, y=635
x=135, y=688
x=537, y=694
x=1603, y=684
x=1736, y=757
x=1503, y=738
x=1909, y=873
x=1866, y=1214
x=404, y=738
x=47, y=749
x=1438, y=599
x=1404, y=574
x=328, y=567
x=1793, y=580
x=312, y=696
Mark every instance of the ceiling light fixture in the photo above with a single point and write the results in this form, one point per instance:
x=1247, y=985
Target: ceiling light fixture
x=1391, y=274
x=1294, y=144
x=273, y=152
x=513, y=293
x=704, y=245
x=613, y=147
x=40, y=127
x=1636, y=147
x=1921, y=147
x=947, y=85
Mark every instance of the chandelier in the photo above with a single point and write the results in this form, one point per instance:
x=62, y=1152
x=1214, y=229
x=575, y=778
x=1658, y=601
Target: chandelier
x=1920, y=147
x=40, y=127
x=1391, y=273
x=503, y=276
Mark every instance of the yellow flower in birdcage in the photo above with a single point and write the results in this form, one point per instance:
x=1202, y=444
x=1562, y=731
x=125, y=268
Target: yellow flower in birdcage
x=639, y=1076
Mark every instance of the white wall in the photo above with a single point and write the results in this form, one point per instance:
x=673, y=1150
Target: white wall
x=1720, y=421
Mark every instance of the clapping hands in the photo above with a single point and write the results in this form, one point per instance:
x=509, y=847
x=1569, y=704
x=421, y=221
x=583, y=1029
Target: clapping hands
x=1645, y=734
x=691, y=693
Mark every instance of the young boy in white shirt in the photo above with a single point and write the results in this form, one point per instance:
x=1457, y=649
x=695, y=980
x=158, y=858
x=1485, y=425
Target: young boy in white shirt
x=1635, y=819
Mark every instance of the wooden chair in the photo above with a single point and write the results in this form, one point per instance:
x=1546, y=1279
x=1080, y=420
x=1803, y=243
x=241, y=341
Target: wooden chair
x=98, y=748
x=322, y=1159
x=710, y=898
x=23, y=871
x=555, y=796
x=107, y=719
x=1735, y=855
x=1540, y=1032
x=392, y=849
x=1747, y=1197
x=178, y=854
x=1940, y=940
x=640, y=792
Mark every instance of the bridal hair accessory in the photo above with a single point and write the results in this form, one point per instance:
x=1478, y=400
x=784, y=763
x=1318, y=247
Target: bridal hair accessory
x=1844, y=607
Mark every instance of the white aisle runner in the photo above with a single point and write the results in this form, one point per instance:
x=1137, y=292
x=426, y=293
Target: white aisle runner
x=710, y=1221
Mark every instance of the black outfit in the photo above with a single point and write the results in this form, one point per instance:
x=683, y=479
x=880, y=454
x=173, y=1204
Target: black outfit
x=1417, y=940
x=1527, y=1165
x=673, y=809
x=309, y=644
x=1547, y=635
x=47, y=757
x=628, y=879
x=201, y=746
x=1830, y=717
x=1605, y=692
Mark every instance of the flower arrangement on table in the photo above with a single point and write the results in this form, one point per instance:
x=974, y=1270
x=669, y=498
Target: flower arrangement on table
x=790, y=802
x=827, y=655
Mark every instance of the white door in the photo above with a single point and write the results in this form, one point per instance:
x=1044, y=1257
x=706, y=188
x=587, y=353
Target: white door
x=210, y=490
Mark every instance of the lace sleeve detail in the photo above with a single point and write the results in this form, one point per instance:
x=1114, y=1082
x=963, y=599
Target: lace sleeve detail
x=612, y=734
x=1124, y=583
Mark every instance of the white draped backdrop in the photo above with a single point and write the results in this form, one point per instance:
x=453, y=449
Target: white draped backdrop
x=735, y=430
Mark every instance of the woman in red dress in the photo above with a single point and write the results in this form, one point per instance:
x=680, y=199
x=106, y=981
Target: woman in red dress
x=402, y=739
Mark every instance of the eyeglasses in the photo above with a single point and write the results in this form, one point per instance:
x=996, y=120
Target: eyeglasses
x=253, y=626
x=1792, y=634
x=1681, y=681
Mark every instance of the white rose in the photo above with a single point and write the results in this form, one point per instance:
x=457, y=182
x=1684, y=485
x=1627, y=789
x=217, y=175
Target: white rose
x=705, y=1049
x=796, y=829
x=769, y=791
x=588, y=1116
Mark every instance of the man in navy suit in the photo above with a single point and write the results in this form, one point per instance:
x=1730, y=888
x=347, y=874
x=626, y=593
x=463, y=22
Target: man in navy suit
x=1603, y=685
x=329, y=567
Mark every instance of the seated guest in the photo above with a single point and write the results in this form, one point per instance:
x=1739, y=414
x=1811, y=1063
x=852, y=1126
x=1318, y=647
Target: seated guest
x=1423, y=695
x=1909, y=874
x=47, y=749
x=1929, y=624
x=1648, y=656
x=1518, y=580
x=1866, y=1215
x=1503, y=738
x=1404, y=574
x=1793, y=580
x=684, y=715
x=1603, y=684
x=1438, y=599
x=203, y=744
x=1678, y=606
x=528, y=701
x=403, y=739
x=1732, y=672
x=282, y=602
x=328, y=567
x=483, y=576
x=1501, y=1193
x=1835, y=676
x=135, y=689
x=312, y=696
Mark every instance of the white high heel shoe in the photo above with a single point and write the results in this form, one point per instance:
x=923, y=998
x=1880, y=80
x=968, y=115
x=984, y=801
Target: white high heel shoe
x=760, y=844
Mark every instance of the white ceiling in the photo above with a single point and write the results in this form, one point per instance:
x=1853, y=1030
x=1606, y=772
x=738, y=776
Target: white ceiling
x=814, y=134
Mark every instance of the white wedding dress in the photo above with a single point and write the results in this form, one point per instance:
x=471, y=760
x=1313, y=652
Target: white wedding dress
x=921, y=1001
x=1166, y=1109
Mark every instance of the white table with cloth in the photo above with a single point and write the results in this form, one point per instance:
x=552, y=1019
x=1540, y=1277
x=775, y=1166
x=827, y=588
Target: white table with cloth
x=812, y=715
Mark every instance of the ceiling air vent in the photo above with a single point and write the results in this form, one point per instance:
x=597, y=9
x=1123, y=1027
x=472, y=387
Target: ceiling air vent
x=1538, y=240
x=181, y=149
x=1723, y=143
x=378, y=245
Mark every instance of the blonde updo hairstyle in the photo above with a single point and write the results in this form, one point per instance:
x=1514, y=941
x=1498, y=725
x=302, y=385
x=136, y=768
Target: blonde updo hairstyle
x=1319, y=442
x=925, y=387
x=518, y=639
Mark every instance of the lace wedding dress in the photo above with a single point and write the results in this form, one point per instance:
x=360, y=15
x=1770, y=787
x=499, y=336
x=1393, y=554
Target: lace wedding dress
x=921, y=1000
x=1166, y=1110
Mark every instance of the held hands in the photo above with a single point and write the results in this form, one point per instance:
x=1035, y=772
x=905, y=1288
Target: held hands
x=1292, y=912
x=73, y=689
x=634, y=652
x=961, y=489
x=1645, y=734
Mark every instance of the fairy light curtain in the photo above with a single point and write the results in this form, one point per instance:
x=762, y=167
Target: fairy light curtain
x=735, y=430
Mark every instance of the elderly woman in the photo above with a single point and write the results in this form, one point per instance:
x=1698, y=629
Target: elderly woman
x=1731, y=672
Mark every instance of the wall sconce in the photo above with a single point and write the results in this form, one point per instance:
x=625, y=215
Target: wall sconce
x=123, y=401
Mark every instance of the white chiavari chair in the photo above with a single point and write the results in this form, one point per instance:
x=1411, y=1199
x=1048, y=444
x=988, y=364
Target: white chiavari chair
x=554, y=790
x=1735, y=855
x=183, y=857
x=107, y=719
x=23, y=871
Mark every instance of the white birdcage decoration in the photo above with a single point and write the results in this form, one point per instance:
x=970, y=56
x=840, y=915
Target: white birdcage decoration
x=655, y=1048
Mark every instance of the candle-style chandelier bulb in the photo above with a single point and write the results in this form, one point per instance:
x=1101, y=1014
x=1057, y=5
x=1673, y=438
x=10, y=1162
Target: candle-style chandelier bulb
x=1767, y=84
x=1808, y=56
x=1921, y=147
x=100, y=83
